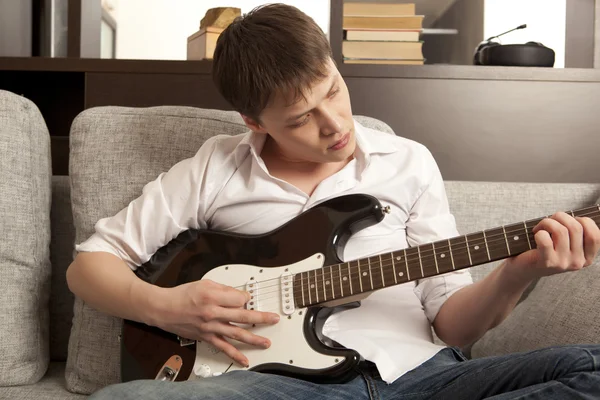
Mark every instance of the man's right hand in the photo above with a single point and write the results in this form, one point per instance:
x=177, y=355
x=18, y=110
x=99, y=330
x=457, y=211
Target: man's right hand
x=205, y=310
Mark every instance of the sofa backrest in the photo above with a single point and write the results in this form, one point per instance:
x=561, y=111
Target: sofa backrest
x=475, y=205
x=61, y=255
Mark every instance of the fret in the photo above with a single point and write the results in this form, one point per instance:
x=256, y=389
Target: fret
x=401, y=273
x=406, y=264
x=340, y=276
x=527, y=234
x=487, y=248
x=460, y=252
x=298, y=292
x=323, y=284
x=376, y=272
x=316, y=286
x=370, y=272
x=497, y=245
x=331, y=284
x=345, y=279
x=355, y=276
x=571, y=212
x=413, y=262
x=360, y=276
x=477, y=249
x=420, y=262
x=381, y=268
x=350, y=279
x=443, y=255
x=427, y=263
x=530, y=235
x=365, y=276
x=506, y=240
x=451, y=255
x=468, y=251
x=302, y=288
x=308, y=283
x=517, y=238
x=392, y=256
x=437, y=268
x=388, y=269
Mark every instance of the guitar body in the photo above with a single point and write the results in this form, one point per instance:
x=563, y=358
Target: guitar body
x=262, y=264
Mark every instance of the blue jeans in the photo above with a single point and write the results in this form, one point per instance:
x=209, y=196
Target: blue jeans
x=565, y=372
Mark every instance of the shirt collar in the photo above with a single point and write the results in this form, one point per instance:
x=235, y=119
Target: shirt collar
x=367, y=144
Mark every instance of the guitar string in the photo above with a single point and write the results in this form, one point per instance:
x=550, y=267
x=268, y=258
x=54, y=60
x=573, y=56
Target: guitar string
x=496, y=239
x=318, y=278
x=335, y=276
x=327, y=294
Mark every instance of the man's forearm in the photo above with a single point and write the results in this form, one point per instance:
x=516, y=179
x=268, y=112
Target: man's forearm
x=107, y=284
x=469, y=313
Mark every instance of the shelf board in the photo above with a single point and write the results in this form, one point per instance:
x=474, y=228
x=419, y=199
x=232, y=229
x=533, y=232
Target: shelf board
x=65, y=64
x=470, y=72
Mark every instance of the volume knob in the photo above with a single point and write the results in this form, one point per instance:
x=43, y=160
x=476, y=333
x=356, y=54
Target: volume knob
x=202, y=370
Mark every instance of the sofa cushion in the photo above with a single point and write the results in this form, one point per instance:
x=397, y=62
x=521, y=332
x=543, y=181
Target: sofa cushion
x=560, y=309
x=50, y=387
x=25, y=172
x=115, y=151
x=61, y=255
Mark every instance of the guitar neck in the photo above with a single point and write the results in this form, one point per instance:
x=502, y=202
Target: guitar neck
x=338, y=281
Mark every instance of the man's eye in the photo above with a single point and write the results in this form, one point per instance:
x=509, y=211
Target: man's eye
x=336, y=91
x=300, y=123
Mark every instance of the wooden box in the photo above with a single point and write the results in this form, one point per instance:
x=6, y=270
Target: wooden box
x=201, y=45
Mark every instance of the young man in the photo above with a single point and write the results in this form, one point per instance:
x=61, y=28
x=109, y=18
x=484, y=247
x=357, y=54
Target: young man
x=274, y=66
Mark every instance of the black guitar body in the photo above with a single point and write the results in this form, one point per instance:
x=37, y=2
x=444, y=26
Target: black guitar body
x=324, y=229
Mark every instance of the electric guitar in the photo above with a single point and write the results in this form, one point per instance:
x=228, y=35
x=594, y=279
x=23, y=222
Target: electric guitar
x=295, y=270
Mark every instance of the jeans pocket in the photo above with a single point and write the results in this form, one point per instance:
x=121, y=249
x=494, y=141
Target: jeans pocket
x=458, y=354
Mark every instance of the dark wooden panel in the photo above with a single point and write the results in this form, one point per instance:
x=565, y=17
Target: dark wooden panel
x=74, y=28
x=60, y=155
x=145, y=90
x=58, y=95
x=492, y=130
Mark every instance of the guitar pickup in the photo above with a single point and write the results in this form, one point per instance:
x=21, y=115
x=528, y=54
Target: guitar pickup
x=252, y=288
x=287, y=294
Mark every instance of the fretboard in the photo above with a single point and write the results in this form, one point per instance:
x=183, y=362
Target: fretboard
x=338, y=281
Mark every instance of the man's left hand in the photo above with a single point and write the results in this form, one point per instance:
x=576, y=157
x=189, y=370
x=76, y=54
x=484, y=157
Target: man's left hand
x=563, y=244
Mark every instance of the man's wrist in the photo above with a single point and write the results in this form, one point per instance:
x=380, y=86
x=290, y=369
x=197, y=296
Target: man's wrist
x=146, y=300
x=515, y=277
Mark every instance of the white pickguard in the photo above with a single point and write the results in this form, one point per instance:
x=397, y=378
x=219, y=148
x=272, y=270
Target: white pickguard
x=288, y=344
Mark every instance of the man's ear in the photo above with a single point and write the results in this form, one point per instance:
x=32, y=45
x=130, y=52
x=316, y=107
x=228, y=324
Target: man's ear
x=252, y=124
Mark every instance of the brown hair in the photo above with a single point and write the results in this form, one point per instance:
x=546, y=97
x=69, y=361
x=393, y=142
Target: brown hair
x=273, y=49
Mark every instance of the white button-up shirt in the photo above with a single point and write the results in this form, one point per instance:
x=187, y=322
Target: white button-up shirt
x=227, y=187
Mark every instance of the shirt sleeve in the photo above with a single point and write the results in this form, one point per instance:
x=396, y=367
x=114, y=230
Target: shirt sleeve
x=175, y=201
x=430, y=220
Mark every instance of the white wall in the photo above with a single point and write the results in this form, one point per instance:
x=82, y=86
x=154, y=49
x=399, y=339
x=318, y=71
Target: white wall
x=158, y=29
x=545, y=19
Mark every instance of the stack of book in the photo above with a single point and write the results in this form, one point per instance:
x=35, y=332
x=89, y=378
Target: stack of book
x=382, y=33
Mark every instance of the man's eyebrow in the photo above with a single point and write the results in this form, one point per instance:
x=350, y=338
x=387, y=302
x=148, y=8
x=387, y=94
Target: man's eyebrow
x=295, y=117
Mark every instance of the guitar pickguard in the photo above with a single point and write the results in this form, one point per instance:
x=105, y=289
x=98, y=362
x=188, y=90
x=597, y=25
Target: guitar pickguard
x=289, y=345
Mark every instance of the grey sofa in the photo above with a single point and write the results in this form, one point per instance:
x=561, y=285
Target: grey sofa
x=55, y=347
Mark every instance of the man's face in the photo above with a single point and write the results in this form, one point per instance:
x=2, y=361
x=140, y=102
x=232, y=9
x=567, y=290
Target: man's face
x=317, y=129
